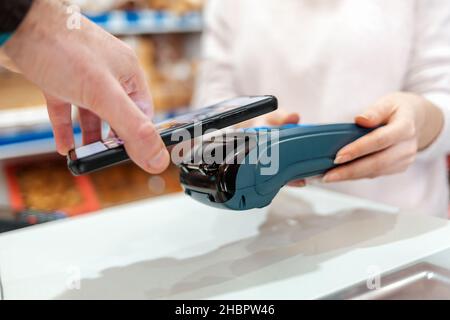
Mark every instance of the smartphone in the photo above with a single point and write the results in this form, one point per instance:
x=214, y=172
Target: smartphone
x=105, y=153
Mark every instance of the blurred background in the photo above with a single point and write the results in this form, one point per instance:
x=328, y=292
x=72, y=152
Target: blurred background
x=35, y=185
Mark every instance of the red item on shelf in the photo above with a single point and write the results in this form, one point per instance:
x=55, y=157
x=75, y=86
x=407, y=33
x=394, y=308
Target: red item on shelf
x=88, y=198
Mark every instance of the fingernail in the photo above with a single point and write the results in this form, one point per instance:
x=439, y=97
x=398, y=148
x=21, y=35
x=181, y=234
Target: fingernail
x=297, y=184
x=64, y=150
x=342, y=159
x=158, y=161
x=366, y=116
x=332, y=177
x=146, y=108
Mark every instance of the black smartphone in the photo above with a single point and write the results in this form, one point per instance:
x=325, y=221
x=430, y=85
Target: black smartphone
x=111, y=151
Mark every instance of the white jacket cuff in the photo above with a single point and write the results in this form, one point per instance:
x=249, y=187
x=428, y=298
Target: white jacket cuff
x=441, y=145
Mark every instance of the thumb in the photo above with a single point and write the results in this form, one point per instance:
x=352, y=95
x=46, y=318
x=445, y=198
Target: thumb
x=7, y=63
x=142, y=141
x=376, y=115
x=280, y=117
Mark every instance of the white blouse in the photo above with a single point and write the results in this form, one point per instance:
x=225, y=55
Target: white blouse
x=330, y=59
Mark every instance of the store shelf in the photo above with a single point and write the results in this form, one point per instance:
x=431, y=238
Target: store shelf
x=36, y=143
x=27, y=132
x=25, y=117
x=148, y=22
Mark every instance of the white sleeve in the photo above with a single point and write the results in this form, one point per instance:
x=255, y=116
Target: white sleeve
x=215, y=78
x=429, y=69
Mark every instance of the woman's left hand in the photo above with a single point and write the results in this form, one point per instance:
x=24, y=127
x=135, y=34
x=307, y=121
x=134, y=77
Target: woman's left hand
x=409, y=123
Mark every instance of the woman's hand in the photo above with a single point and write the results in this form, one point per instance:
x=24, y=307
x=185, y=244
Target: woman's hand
x=92, y=69
x=276, y=118
x=409, y=123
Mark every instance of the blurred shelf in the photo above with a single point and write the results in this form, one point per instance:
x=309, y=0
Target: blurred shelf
x=16, y=118
x=25, y=149
x=26, y=131
x=148, y=22
x=17, y=92
x=30, y=148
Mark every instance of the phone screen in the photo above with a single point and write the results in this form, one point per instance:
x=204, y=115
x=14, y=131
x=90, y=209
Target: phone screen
x=111, y=151
x=201, y=114
x=180, y=121
x=97, y=147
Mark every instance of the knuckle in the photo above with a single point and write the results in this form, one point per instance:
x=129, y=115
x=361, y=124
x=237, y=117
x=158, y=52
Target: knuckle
x=381, y=141
x=410, y=130
x=353, y=176
x=354, y=152
x=147, y=132
x=345, y=175
x=412, y=151
x=403, y=168
x=350, y=173
x=376, y=169
x=130, y=54
x=372, y=175
x=92, y=88
x=90, y=127
x=410, y=160
x=59, y=118
x=149, y=136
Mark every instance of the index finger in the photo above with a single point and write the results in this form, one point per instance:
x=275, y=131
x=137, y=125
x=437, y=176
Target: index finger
x=137, y=89
x=377, y=140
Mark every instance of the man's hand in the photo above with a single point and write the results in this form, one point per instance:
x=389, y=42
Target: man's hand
x=410, y=124
x=92, y=69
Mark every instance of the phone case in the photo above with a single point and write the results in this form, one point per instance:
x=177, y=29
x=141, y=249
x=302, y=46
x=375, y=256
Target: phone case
x=118, y=155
